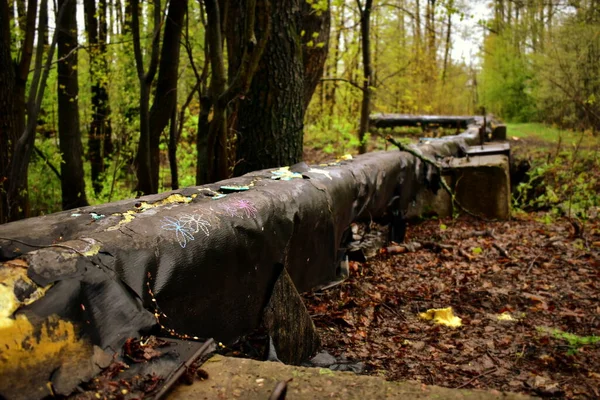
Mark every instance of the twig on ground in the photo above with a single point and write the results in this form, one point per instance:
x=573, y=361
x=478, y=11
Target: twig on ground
x=531, y=265
x=501, y=250
x=437, y=246
x=465, y=254
x=491, y=371
x=487, y=232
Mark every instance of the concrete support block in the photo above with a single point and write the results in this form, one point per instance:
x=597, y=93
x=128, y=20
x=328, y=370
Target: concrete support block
x=482, y=185
x=427, y=203
x=499, y=133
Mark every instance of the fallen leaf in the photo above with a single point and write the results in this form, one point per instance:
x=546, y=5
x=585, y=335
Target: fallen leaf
x=442, y=316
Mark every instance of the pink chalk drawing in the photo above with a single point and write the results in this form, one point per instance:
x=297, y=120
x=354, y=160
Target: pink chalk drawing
x=241, y=209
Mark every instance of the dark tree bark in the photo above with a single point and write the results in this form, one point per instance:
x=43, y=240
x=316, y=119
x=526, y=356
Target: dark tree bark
x=202, y=162
x=165, y=97
x=8, y=109
x=365, y=109
x=15, y=153
x=72, y=176
x=146, y=183
x=315, y=44
x=217, y=131
x=173, y=138
x=448, y=43
x=104, y=112
x=245, y=23
x=99, y=140
x=330, y=96
x=271, y=116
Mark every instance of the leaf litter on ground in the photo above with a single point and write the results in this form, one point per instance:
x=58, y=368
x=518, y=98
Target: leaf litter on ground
x=510, y=282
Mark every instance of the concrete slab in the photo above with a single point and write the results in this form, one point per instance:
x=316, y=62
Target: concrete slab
x=235, y=378
x=489, y=149
x=482, y=185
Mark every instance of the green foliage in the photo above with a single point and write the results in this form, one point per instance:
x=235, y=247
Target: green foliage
x=334, y=135
x=540, y=63
x=409, y=76
x=568, y=75
x=574, y=342
x=567, y=182
x=44, y=185
x=120, y=77
x=506, y=79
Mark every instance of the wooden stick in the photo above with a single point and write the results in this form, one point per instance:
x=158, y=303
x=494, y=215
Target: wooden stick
x=477, y=377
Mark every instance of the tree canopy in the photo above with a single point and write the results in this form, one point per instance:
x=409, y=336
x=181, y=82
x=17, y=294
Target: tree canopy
x=103, y=99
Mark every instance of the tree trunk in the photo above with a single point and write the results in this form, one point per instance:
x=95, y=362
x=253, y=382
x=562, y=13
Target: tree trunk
x=15, y=153
x=72, y=176
x=315, y=44
x=448, y=44
x=95, y=131
x=146, y=183
x=202, y=161
x=271, y=116
x=173, y=150
x=8, y=109
x=165, y=97
x=331, y=96
x=365, y=109
x=104, y=109
x=217, y=131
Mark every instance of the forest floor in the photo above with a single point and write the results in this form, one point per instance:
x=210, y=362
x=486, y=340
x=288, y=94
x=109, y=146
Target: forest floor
x=540, y=275
x=527, y=291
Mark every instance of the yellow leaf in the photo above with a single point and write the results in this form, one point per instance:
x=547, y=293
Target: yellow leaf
x=505, y=316
x=442, y=316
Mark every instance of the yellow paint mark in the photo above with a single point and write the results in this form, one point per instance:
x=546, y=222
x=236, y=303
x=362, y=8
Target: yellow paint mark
x=129, y=216
x=92, y=251
x=19, y=343
x=29, y=354
x=174, y=198
x=442, y=316
x=8, y=306
x=8, y=301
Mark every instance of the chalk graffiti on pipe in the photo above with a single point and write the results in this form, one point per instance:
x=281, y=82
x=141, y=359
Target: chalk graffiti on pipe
x=240, y=208
x=186, y=226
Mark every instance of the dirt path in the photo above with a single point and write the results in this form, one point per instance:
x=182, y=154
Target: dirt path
x=542, y=276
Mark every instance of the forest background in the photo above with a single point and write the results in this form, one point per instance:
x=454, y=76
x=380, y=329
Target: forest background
x=103, y=99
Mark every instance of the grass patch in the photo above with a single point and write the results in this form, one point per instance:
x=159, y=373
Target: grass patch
x=549, y=134
x=575, y=342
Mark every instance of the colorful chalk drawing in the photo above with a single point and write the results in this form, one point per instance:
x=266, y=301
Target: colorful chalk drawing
x=185, y=227
x=241, y=209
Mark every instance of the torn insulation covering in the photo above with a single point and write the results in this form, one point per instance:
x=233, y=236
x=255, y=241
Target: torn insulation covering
x=196, y=262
